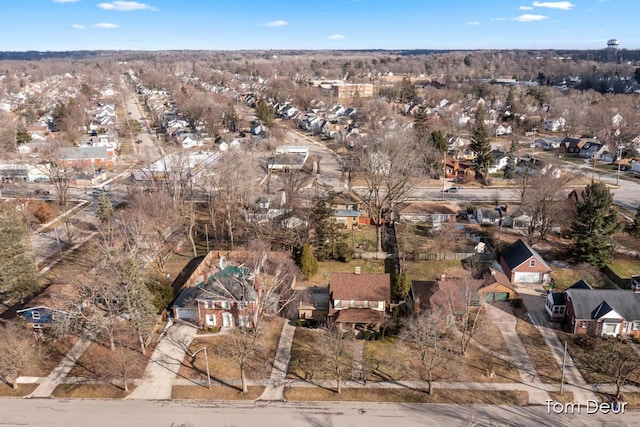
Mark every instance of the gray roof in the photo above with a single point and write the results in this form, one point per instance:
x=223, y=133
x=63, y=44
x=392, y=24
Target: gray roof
x=594, y=303
x=519, y=252
x=231, y=284
x=79, y=153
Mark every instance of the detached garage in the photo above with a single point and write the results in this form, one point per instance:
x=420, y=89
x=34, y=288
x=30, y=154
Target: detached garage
x=496, y=287
x=522, y=264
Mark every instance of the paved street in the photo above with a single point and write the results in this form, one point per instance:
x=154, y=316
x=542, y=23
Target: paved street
x=54, y=413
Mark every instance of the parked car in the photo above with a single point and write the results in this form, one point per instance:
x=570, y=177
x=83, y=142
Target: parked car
x=451, y=190
x=458, y=187
x=457, y=180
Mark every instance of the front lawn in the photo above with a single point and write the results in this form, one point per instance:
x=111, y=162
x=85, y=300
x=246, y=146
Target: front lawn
x=538, y=352
x=91, y=391
x=221, y=363
x=408, y=395
x=192, y=392
x=307, y=361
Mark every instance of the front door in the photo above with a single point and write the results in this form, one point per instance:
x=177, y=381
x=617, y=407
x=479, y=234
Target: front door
x=227, y=320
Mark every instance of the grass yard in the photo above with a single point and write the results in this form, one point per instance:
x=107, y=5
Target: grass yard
x=331, y=266
x=57, y=348
x=388, y=360
x=591, y=359
x=364, y=237
x=91, y=391
x=222, y=365
x=565, y=277
x=188, y=392
x=538, y=352
x=100, y=363
x=489, y=336
x=307, y=362
x=407, y=395
x=430, y=270
x=565, y=397
x=625, y=268
x=20, y=391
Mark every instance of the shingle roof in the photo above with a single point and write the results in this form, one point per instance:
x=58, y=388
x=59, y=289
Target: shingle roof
x=360, y=287
x=596, y=302
x=580, y=284
x=358, y=315
x=519, y=252
x=497, y=277
x=79, y=153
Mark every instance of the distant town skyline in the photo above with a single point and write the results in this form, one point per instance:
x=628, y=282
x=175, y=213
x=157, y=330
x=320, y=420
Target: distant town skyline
x=54, y=25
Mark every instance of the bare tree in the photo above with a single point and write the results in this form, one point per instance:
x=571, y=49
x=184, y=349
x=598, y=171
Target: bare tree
x=389, y=169
x=334, y=348
x=424, y=334
x=246, y=349
x=618, y=362
x=467, y=311
x=19, y=351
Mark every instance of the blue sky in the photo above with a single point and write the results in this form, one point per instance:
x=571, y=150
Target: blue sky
x=325, y=24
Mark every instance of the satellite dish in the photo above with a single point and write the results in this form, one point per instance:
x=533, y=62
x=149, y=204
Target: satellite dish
x=221, y=264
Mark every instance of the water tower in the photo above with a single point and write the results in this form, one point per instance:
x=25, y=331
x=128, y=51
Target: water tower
x=612, y=49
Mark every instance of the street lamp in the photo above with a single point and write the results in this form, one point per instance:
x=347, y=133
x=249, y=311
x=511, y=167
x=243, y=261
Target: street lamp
x=206, y=358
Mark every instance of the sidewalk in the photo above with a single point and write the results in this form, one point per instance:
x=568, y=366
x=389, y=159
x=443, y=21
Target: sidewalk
x=276, y=383
x=506, y=322
x=60, y=372
x=164, y=363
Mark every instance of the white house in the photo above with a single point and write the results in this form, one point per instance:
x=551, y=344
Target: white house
x=556, y=124
x=500, y=161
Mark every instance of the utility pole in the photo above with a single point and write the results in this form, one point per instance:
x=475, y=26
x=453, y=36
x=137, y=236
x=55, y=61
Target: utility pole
x=564, y=361
x=533, y=145
x=206, y=358
x=619, y=161
x=444, y=170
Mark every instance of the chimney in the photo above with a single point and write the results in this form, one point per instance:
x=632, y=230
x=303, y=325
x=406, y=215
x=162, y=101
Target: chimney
x=443, y=277
x=357, y=271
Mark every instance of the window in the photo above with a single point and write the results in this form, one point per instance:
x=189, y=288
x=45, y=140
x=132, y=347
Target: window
x=210, y=319
x=243, y=321
x=35, y=315
x=226, y=305
x=558, y=310
x=636, y=326
x=583, y=325
x=336, y=304
x=532, y=263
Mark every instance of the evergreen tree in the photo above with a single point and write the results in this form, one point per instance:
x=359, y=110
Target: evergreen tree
x=400, y=286
x=421, y=124
x=104, y=212
x=264, y=112
x=635, y=227
x=407, y=90
x=18, y=272
x=330, y=241
x=439, y=141
x=481, y=146
x=510, y=167
x=595, y=222
x=308, y=262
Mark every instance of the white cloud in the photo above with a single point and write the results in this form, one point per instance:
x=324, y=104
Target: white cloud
x=337, y=37
x=78, y=27
x=498, y=19
x=473, y=23
x=278, y=23
x=563, y=5
x=106, y=25
x=527, y=17
x=65, y=1
x=125, y=6
x=525, y=8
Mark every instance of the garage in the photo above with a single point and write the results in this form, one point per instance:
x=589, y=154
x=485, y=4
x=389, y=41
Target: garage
x=496, y=296
x=188, y=314
x=528, y=277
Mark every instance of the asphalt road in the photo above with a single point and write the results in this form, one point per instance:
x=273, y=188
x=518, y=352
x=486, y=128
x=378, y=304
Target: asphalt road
x=55, y=412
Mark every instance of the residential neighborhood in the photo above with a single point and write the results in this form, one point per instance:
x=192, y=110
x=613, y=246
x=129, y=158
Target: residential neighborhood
x=307, y=227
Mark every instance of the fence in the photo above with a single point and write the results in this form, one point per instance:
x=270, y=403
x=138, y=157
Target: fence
x=371, y=255
x=457, y=256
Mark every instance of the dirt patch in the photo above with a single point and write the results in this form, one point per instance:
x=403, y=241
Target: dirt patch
x=20, y=391
x=565, y=397
x=57, y=348
x=215, y=393
x=91, y=391
x=538, y=352
x=408, y=395
x=307, y=362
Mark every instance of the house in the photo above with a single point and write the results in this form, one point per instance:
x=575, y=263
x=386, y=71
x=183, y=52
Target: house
x=459, y=168
x=522, y=264
x=425, y=212
x=488, y=216
x=288, y=157
x=499, y=162
x=600, y=312
x=349, y=217
x=447, y=295
x=53, y=303
x=86, y=157
x=572, y=145
x=555, y=304
x=227, y=298
x=555, y=124
x=496, y=287
x=359, y=300
x=503, y=129
x=592, y=150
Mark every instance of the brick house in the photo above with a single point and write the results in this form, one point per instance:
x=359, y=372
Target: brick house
x=522, y=264
x=86, y=157
x=226, y=299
